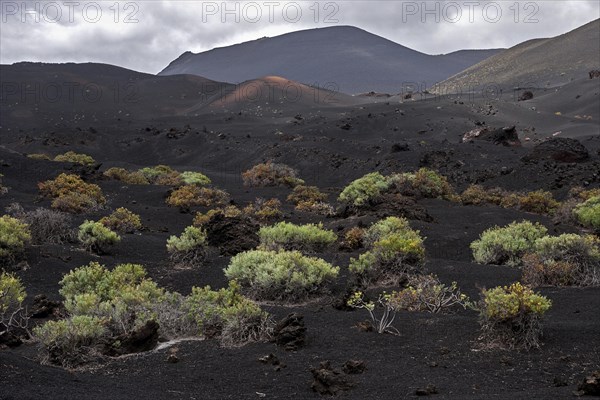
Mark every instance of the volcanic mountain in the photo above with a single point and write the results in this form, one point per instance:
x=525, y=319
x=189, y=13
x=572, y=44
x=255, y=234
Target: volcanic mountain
x=344, y=58
x=537, y=63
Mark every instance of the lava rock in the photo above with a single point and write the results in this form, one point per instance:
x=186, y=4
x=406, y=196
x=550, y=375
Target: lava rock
x=428, y=390
x=143, y=339
x=526, y=95
x=290, y=332
x=328, y=381
x=590, y=385
x=400, y=147
x=353, y=367
x=507, y=136
x=232, y=235
x=42, y=307
x=563, y=150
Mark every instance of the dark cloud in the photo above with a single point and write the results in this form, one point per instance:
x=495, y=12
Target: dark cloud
x=147, y=35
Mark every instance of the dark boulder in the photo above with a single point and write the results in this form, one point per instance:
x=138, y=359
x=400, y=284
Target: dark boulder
x=290, y=332
x=590, y=385
x=564, y=150
x=328, y=381
x=595, y=73
x=140, y=340
x=353, y=367
x=507, y=136
x=43, y=307
x=526, y=95
x=232, y=235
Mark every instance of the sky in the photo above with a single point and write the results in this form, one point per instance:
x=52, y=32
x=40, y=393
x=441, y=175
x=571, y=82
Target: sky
x=147, y=35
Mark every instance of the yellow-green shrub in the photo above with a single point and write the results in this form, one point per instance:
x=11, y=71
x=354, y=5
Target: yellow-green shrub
x=125, y=176
x=194, y=178
x=189, y=248
x=12, y=311
x=14, y=235
x=588, y=213
x=365, y=190
x=76, y=158
x=539, y=202
x=510, y=316
x=161, y=175
x=96, y=237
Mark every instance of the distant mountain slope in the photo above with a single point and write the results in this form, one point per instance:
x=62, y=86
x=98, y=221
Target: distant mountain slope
x=349, y=58
x=536, y=63
x=51, y=94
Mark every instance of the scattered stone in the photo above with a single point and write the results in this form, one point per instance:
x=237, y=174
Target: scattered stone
x=290, y=332
x=428, y=390
x=271, y=359
x=590, y=385
x=560, y=381
x=346, y=127
x=353, y=367
x=594, y=73
x=365, y=326
x=328, y=381
x=400, y=147
x=563, y=150
x=42, y=307
x=526, y=95
x=172, y=359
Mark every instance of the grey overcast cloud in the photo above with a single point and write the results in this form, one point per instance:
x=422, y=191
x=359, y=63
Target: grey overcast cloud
x=147, y=35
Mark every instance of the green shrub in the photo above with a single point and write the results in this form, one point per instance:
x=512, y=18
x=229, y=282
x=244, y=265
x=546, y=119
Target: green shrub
x=96, y=237
x=506, y=246
x=76, y=158
x=194, y=178
x=13, y=314
x=284, y=275
x=122, y=220
x=121, y=174
x=511, y=316
x=14, y=235
x=228, y=314
x=365, y=190
x=563, y=260
x=271, y=174
x=72, y=194
x=189, y=248
x=395, y=251
x=189, y=196
x=588, y=213
x=477, y=195
x=287, y=236
x=70, y=342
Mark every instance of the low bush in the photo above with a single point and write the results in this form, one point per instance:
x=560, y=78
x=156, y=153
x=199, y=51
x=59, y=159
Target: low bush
x=264, y=210
x=123, y=221
x=477, y=195
x=510, y=316
x=125, y=176
x=426, y=293
x=431, y=184
x=161, y=175
x=228, y=314
x=588, y=213
x=395, y=251
x=71, y=342
x=13, y=314
x=96, y=237
x=288, y=236
x=189, y=196
x=45, y=226
x=381, y=323
x=189, y=248
x=14, y=235
x=271, y=174
x=201, y=219
x=539, y=202
x=364, y=191
x=194, y=178
x=72, y=194
x=507, y=245
x=310, y=199
x=563, y=260
x=39, y=156
x=354, y=238
x=76, y=158
x=283, y=275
